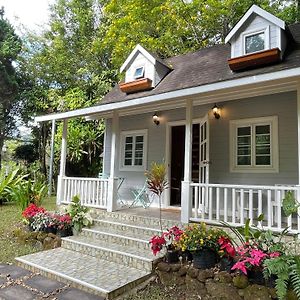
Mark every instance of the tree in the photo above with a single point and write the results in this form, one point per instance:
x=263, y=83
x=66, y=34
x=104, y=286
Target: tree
x=10, y=47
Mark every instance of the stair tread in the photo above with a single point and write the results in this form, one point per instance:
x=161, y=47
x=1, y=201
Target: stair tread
x=102, y=275
x=123, y=233
x=125, y=249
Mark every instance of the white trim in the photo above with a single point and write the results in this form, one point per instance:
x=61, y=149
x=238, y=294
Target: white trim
x=274, y=167
x=123, y=134
x=265, y=31
x=298, y=122
x=143, y=51
x=259, y=11
x=213, y=87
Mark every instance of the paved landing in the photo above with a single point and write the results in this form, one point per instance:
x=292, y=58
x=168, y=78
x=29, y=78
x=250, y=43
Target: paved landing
x=17, y=283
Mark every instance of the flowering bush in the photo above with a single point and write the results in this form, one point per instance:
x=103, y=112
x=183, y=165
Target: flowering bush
x=250, y=256
x=198, y=236
x=168, y=239
x=43, y=220
x=63, y=221
x=31, y=211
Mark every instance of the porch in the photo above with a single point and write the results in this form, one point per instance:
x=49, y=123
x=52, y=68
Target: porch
x=210, y=203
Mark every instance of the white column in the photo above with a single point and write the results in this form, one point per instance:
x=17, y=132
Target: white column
x=51, y=158
x=113, y=181
x=298, y=118
x=186, y=191
x=63, y=158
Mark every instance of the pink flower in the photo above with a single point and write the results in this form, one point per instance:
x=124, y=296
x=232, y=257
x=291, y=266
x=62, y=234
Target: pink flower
x=274, y=254
x=157, y=243
x=257, y=256
x=240, y=265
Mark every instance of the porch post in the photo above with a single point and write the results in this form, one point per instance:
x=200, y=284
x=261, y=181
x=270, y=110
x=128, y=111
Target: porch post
x=63, y=157
x=186, y=192
x=298, y=118
x=113, y=181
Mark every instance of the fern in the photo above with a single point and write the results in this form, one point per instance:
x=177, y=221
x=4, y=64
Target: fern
x=295, y=275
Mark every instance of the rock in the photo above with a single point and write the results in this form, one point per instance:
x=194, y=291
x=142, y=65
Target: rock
x=241, y=292
x=37, y=245
x=32, y=235
x=164, y=267
x=41, y=236
x=272, y=292
x=240, y=281
x=51, y=235
x=223, y=291
x=223, y=277
x=179, y=280
x=48, y=243
x=192, y=272
x=257, y=292
x=205, y=274
x=166, y=278
x=195, y=287
x=175, y=267
x=57, y=242
x=182, y=271
x=291, y=295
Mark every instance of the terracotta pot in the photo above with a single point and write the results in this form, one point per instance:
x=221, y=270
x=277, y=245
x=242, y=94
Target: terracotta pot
x=204, y=259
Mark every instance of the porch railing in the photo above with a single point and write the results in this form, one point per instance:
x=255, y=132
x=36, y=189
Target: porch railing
x=233, y=204
x=91, y=191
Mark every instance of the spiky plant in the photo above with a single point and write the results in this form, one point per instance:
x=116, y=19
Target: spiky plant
x=157, y=182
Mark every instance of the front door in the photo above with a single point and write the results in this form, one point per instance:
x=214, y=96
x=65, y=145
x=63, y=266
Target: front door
x=177, y=158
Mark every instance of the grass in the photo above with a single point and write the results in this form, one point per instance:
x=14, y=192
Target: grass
x=11, y=219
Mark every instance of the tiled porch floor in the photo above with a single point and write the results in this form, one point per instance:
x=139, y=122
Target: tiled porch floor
x=166, y=213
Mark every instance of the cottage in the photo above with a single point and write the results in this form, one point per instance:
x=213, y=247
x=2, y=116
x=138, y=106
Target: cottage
x=225, y=119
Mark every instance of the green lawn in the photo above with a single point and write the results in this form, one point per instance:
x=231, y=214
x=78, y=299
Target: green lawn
x=10, y=219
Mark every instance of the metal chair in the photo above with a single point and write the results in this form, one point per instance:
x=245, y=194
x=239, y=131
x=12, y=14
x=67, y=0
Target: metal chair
x=141, y=197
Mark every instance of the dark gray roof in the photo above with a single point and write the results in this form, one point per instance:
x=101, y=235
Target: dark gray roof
x=209, y=65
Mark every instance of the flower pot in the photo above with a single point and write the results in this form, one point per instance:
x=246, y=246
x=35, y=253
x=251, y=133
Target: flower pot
x=256, y=276
x=187, y=255
x=226, y=264
x=204, y=259
x=30, y=228
x=172, y=256
x=50, y=230
x=65, y=232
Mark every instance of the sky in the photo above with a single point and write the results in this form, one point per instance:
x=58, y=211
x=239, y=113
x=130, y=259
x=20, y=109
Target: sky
x=30, y=13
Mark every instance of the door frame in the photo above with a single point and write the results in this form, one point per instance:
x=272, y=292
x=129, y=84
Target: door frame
x=169, y=125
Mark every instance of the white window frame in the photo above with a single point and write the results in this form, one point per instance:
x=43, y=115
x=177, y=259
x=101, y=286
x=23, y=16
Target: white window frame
x=266, y=32
x=143, y=72
x=274, y=151
x=133, y=133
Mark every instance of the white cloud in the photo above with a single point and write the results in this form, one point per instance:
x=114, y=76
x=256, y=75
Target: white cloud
x=30, y=13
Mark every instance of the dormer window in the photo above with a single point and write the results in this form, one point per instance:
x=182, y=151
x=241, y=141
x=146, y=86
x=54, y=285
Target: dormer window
x=254, y=42
x=139, y=73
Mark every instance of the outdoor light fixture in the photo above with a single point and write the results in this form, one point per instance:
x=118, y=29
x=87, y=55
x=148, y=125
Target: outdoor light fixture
x=155, y=119
x=216, y=111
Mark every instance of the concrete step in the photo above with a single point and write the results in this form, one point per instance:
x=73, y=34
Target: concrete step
x=126, y=217
x=117, y=237
x=122, y=254
x=100, y=277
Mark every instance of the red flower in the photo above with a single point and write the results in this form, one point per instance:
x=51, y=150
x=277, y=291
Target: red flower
x=226, y=245
x=157, y=242
x=31, y=211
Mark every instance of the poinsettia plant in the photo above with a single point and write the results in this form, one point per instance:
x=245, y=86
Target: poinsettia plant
x=31, y=211
x=226, y=247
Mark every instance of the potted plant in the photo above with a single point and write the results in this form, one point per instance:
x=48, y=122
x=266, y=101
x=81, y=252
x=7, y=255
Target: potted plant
x=64, y=224
x=202, y=242
x=44, y=221
x=79, y=214
x=169, y=241
x=29, y=213
x=227, y=253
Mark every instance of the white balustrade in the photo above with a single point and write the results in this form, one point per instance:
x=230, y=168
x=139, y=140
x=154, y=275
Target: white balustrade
x=91, y=191
x=234, y=204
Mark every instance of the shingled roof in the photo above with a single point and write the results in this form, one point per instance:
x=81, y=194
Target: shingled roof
x=209, y=65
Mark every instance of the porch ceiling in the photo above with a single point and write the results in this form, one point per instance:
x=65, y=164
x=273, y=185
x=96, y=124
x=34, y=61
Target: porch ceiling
x=263, y=84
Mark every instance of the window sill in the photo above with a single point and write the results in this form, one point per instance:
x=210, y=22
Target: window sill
x=133, y=169
x=254, y=170
x=255, y=59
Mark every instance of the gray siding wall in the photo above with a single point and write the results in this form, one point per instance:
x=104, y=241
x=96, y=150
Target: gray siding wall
x=283, y=105
x=255, y=23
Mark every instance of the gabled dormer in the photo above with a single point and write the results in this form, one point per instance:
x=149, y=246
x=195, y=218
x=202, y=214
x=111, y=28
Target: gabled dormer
x=143, y=71
x=257, y=39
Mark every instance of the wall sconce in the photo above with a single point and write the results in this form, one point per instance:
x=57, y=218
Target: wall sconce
x=155, y=119
x=216, y=111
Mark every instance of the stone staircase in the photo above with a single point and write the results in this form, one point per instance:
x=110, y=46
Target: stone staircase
x=107, y=259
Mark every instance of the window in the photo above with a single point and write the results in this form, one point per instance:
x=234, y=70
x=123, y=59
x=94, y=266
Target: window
x=255, y=41
x=139, y=73
x=133, y=145
x=254, y=145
